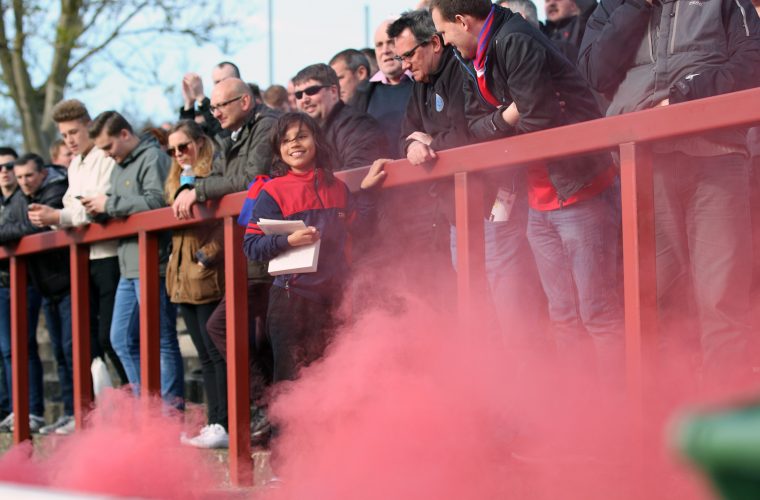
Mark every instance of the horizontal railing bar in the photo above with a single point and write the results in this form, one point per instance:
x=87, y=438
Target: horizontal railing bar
x=649, y=125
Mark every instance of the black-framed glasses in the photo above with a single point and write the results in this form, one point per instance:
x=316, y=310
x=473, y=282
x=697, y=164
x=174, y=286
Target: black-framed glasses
x=181, y=148
x=224, y=104
x=410, y=53
x=7, y=166
x=309, y=91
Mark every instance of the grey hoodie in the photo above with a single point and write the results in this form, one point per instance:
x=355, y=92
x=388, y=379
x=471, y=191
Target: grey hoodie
x=137, y=185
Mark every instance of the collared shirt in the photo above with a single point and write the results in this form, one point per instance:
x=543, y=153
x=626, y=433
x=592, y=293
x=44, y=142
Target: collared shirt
x=88, y=176
x=382, y=78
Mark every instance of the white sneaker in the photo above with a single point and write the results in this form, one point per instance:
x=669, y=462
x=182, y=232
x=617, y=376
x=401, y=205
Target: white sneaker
x=211, y=437
x=7, y=423
x=62, y=420
x=68, y=428
x=36, y=423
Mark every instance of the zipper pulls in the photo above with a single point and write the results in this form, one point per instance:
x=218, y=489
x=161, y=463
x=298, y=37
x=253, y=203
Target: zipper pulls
x=287, y=288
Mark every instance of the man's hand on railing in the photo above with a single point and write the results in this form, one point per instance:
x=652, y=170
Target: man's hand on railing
x=95, y=205
x=43, y=215
x=182, y=208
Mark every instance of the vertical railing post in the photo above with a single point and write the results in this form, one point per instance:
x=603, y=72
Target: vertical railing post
x=471, y=267
x=150, y=320
x=238, y=404
x=80, y=330
x=640, y=280
x=19, y=350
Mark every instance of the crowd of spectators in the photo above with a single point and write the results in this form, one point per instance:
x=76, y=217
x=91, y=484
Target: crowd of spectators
x=451, y=73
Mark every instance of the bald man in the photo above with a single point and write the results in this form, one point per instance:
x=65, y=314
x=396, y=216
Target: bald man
x=387, y=93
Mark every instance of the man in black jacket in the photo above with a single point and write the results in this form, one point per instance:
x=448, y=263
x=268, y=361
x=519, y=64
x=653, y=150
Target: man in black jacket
x=355, y=137
x=435, y=120
x=49, y=271
x=644, y=54
x=573, y=220
x=12, y=200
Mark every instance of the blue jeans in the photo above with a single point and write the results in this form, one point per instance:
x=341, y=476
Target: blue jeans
x=36, y=405
x=704, y=256
x=518, y=301
x=576, y=252
x=125, y=338
x=58, y=318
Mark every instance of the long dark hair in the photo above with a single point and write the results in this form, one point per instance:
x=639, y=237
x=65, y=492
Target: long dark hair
x=325, y=155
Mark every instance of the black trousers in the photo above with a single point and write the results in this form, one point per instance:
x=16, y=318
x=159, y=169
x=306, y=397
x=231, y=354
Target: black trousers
x=213, y=365
x=298, y=329
x=259, y=352
x=104, y=278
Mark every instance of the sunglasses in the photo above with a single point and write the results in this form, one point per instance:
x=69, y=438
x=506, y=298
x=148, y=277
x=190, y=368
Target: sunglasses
x=6, y=166
x=181, y=148
x=309, y=91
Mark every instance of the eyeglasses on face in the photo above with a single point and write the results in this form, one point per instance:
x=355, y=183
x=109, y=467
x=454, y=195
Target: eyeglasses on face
x=181, y=148
x=309, y=91
x=7, y=166
x=410, y=53
x=217, y=107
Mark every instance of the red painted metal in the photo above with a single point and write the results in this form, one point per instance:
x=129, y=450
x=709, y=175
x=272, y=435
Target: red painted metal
x=19, y=350
x=736, y=109
x=238, y=398
x=80, y=330
x=637, y=197
x=471, y=265
x=150, y=361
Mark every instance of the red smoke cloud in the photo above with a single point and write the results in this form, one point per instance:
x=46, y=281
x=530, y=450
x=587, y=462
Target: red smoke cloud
x=127, y=449
x=413, y=406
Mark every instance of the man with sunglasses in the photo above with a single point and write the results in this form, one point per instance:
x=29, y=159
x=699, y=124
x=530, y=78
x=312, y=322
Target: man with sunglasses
x=245, y=154
x=13, y=206
x=89, y=174
x=356, y=137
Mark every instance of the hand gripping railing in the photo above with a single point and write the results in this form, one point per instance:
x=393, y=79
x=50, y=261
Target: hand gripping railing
x=631, y=133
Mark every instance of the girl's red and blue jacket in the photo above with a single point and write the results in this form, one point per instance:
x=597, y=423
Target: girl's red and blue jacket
x=331, y=208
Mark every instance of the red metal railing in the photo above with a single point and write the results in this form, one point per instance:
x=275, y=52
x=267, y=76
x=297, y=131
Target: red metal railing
x=630, y=133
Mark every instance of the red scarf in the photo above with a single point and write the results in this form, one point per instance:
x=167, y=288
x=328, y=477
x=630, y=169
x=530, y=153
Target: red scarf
x=481, y=57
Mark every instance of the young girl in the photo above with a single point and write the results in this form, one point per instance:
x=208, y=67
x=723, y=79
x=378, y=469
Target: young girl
x=301, y=305
x=195, y=279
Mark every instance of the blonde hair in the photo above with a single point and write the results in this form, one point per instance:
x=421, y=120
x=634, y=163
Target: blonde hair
x=203, y=163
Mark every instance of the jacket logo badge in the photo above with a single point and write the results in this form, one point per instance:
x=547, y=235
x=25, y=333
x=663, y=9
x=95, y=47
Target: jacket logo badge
x=698, y=3
x=126, y=183
x=439, y=103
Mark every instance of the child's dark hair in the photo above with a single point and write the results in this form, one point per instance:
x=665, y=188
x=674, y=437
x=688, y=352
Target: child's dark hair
x=325, y=155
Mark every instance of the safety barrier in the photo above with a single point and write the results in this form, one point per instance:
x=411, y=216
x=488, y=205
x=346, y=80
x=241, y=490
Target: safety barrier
x=632, y=134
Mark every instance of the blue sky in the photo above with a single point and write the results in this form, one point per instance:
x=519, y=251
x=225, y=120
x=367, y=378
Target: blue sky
x=305, y=32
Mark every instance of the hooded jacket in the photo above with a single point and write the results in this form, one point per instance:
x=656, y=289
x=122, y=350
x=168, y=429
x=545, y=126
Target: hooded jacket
x=48, y=271
x=137, y=185
x=640, y=54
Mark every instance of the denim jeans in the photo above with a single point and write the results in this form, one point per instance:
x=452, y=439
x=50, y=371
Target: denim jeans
x=704, y=256
x=576, y=252
x=58, y=318
x=36, y=404
x=125, y=339
x=519, y=303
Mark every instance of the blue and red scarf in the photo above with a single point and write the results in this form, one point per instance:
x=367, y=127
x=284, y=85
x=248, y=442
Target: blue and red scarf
x=481, y=57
